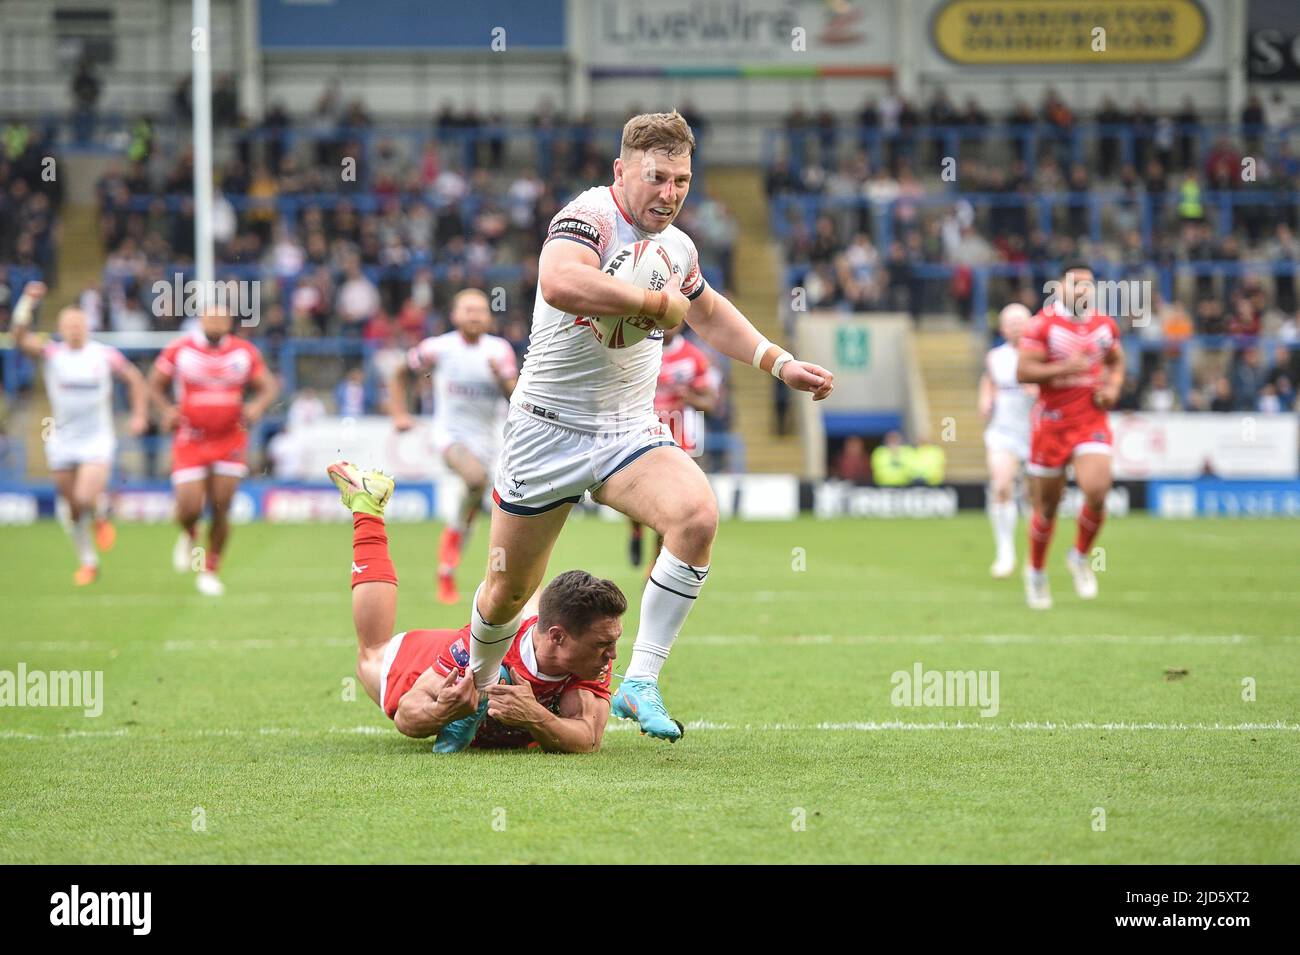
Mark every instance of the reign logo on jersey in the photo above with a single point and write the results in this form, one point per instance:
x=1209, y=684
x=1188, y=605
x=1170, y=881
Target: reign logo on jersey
x=584, y=231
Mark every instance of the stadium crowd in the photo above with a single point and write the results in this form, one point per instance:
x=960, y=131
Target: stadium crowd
x=31, y=194
x=873, y=219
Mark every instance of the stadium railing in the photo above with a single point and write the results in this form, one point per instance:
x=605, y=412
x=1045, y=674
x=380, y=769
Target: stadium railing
x=1225, y=206
x=1165, y=275
x=1079, y=142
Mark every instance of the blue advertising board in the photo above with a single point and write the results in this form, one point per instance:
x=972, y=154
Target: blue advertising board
x=1214, y=497
x=411, y=24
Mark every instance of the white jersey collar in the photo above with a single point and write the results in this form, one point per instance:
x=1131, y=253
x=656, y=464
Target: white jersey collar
x=528, y=653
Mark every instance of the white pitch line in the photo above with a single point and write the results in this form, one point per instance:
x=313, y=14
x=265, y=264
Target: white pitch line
x=882, y=592
x=869, y=726
x=822, y=639
x=710, y=639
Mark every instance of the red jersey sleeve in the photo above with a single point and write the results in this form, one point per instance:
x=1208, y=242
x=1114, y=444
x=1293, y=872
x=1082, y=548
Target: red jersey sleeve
x=166, y=360
x=1034, y=340
x=600, y=688
x=1114, y=334
x=256, y=364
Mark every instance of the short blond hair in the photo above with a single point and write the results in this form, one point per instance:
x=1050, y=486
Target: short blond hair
x=467, y=292
x=658, y=132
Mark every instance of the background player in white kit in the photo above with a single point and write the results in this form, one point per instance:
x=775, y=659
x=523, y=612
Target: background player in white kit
x=79, y=450
x=582, y=418
x=1005, y=405
x=472, y=373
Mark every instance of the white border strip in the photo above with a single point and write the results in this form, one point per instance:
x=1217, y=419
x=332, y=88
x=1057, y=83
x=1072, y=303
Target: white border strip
x=869, y=726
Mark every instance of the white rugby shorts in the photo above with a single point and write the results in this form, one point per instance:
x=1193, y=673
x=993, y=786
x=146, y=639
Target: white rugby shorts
x=544, y=464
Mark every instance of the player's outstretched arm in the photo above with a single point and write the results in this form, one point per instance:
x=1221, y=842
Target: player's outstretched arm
x=987, y=392
x=433, y=701
x=397, y=399
x=1108, y=391
x=723, y=326
x=138, y=395
x=27, y=343
x=265, y=390
x=158, y=384
x=571, y=280
x=579, y=727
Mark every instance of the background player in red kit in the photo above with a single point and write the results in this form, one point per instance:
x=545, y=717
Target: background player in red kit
x=684, y=393
x=555, y=689
x=1073, y=353
x=209, y=369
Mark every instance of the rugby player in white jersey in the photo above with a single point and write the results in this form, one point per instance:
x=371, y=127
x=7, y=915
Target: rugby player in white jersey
x=582, y=417
x=1005, y=404
x=473, y=372
x=80, y=447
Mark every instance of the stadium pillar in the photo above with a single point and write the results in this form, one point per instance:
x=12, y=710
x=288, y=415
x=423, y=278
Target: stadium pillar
x=906, y=75
x=201, y=45
x=250, y=59
x=1235, y=31
x=575, y=42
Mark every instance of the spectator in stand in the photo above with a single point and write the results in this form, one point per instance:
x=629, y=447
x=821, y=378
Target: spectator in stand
x=1249, y=378
x=1283, y=375
x=350, y=394
x=1159, y=396
x=891, y=462
x=85, y=97
x=358, y=299
x=1221, y=397
x=853, y=463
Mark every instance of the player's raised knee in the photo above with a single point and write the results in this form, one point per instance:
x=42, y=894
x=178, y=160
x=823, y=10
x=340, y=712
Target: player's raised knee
x=696, y=521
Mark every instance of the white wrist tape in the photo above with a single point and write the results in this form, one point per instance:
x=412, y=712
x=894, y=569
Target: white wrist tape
x=22, y=316
x=759, y=351
x=781, y=361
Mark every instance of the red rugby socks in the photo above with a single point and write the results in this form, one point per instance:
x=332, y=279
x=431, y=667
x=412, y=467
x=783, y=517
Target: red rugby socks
x=1089, y=524
x=1040, y=536
x=370, y=560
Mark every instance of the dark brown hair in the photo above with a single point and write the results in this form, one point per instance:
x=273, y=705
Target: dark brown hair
x=575, y=600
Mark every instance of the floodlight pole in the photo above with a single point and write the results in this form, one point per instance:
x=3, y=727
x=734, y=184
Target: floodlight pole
x=201, y=45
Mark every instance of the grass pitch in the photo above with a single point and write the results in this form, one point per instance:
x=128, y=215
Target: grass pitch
x=227, y=735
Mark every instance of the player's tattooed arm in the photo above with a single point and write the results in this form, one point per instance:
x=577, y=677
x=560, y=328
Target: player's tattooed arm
x=265, y=390
x=1112, y=378
x=433, y=701
x=579, y=727
x=158, y=384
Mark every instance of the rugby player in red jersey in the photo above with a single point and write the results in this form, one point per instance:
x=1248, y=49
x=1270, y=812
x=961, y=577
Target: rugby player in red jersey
x=1073, y=353
x=208, y=370
x=555, y=678
x=684, y=393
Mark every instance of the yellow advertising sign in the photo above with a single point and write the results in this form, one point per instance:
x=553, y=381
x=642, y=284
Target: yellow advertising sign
x=987, y=32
